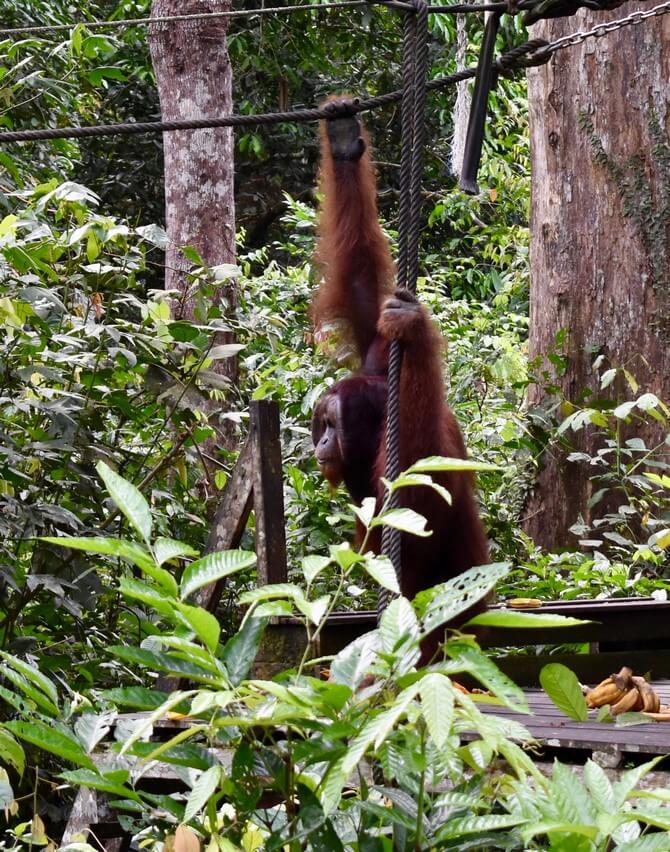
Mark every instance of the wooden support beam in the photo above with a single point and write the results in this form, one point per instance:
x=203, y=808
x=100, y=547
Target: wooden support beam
x=268, y=493
x=256, y=482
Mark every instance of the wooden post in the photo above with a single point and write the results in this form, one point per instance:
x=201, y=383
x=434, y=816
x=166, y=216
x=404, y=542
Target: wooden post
x=268, y=493
x=257, y=482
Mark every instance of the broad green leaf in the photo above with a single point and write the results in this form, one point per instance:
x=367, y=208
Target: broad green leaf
x=191, y=254
x=98, y=781
x=152, y=597
x=570, y=796
x=366, y=511
x=314, y=610
x=273, y=608
x=513, y=618
x=166, y=549
x=475, y=661
x=658, y=816
x=414, y=479
x=405, y=520
x=567, y=827
x=622, y=411
x=51, y=740
x=34, y=675
x=147, y=723
x=272, y=590
x=444, y=602
x=561, y=685
x=312, y=566
x=225, y=350
x=378, y=724
x=11, y=751
x=658, y=479
x=345, y=555
x=240, y=650
x=332, y=784
x=437, y=706
x=166, y=663
x=212, y=568
x=205, y=625
x=599, y=787
x=128, y=499
x=630, y=779
x=129, y=550
x=353, y=662
x=398, y=623
x=382, y=725
x=202, y=790
x=90, y=728
x=185, y=754
x=29, y=690
x=138, y=697
x=381, y=569
x=191, y=652
x=434, y=464
x=475, y=824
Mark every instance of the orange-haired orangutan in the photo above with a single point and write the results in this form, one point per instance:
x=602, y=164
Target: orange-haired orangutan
x=349, y=421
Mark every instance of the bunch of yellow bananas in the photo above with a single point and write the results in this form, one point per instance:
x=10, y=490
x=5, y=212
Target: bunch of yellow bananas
x=624, y=692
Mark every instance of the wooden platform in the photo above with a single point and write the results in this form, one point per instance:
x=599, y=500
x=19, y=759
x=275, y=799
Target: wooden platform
x=619, y=631
x=554, y=730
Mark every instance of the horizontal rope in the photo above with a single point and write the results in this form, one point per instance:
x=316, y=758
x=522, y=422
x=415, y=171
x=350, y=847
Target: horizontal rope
x=246, y=13
x=519, y=57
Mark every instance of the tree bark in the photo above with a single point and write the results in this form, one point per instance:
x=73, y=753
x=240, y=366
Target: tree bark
x=600, y=217
x=194, y=79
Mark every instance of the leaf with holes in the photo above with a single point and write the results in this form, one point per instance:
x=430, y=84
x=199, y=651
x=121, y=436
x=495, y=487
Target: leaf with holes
x=444, y=602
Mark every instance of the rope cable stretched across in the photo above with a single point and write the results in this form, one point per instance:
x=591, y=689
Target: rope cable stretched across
x=520, y=57
x=195, y=16
x=122, y=23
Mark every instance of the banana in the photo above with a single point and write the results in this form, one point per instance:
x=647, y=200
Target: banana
x=623, y=678
x=629, y=701
x=523, y=603
x=659, y=717
x=651, y=703
x=607, y=692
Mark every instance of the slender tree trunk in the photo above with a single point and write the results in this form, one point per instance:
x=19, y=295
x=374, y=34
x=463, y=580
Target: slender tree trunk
x=194, y=78
x=600, y=224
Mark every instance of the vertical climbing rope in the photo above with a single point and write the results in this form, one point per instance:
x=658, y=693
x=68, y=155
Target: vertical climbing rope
x=415, y=69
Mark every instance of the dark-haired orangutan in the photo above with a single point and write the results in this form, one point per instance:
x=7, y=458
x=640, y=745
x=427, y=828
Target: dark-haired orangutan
x=348, y=428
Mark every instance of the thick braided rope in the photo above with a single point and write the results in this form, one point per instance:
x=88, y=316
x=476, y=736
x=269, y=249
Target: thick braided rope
x=415, y=62
x=418, y=143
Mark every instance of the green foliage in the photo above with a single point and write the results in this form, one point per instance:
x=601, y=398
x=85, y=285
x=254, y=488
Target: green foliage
x=272, y=763
x=562, y=686
x=376, y=707
x=93, y=372
x=592, y=814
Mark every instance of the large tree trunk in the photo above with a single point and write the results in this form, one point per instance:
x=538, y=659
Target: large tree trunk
x=194, y=78
x=600, y=227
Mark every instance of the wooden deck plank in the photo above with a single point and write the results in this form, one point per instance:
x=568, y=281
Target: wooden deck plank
x=553, y=728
